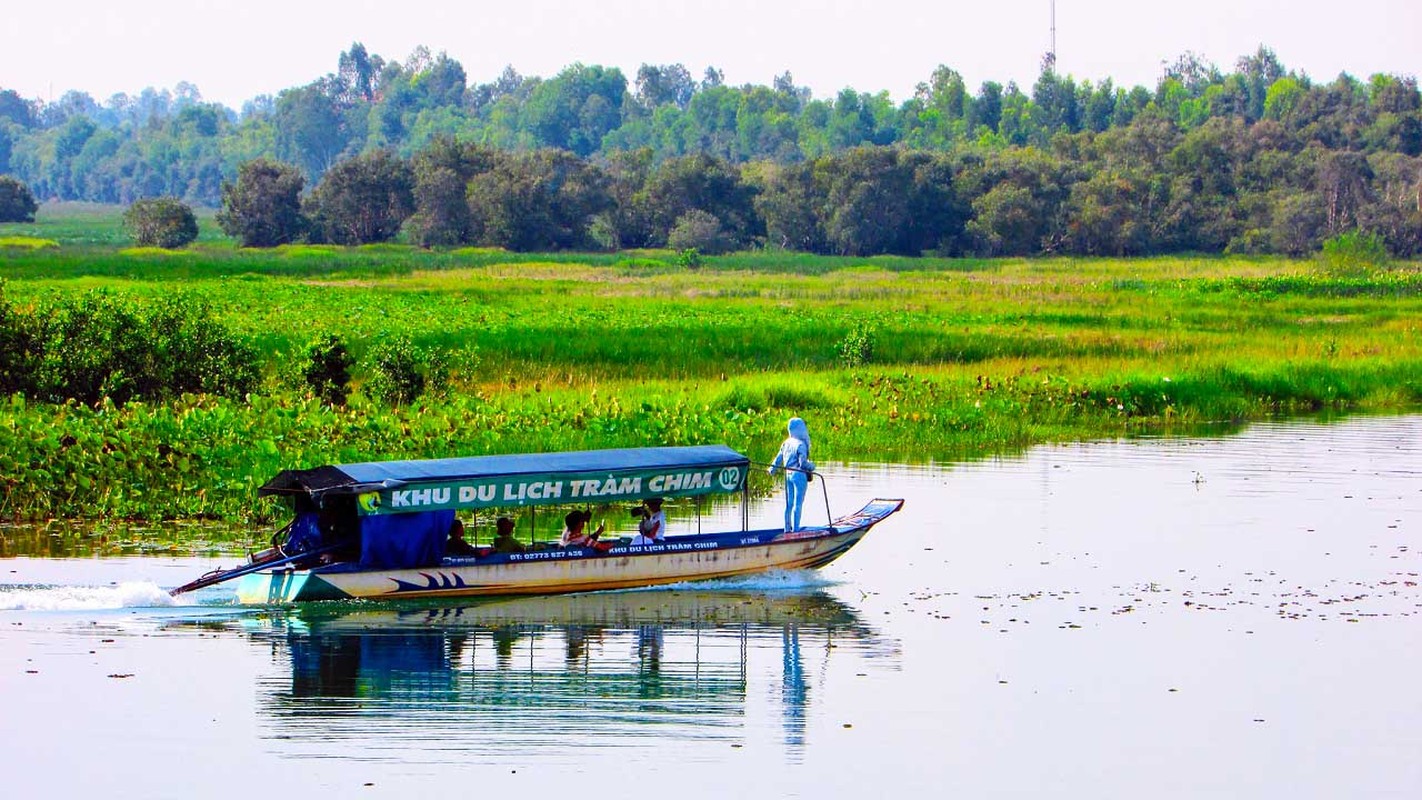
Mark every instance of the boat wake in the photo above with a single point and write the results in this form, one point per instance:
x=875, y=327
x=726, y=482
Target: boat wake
x=772, y=581
x=85, y=598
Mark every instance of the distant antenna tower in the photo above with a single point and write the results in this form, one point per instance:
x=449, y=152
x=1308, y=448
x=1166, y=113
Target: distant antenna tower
x=1049, y=61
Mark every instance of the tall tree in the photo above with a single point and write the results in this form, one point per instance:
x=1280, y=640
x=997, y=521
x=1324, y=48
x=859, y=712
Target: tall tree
x=574, y=110
x=700, y=182
x=357, y=71
x=670, y=84
x=987, y=107
x=311, y=129
x=879, y=200
x=1016, y=198
x=1342, y=179
x=442, y=172
x=792, y=207
x=542, y=200
x=1396, y=213
x=362, y=200
x=1258, y=72
x=263, y=207
x=443, y=84
x=1053, y=107
x=16, y=109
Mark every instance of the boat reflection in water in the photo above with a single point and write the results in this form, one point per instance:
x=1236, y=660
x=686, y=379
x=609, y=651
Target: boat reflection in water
x=595, y=670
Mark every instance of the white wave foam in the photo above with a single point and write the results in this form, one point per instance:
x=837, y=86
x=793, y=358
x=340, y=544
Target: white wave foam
x=86, y=598
x=772, y=581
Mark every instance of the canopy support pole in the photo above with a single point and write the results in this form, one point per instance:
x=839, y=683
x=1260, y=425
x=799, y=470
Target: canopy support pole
x=829, y=517
x=745, y=506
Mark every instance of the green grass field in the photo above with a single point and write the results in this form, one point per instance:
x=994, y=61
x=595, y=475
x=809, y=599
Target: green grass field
x=888, y=359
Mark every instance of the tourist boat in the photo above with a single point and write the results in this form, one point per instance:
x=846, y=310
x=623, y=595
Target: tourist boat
x=379, y=530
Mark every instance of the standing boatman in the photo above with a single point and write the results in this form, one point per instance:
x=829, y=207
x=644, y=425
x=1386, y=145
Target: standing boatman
x=794, y=458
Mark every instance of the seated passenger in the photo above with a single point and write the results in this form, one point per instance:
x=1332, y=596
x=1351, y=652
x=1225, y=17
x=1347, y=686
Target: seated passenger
x=653, y=527
x=504, y=541
x=339, y=533
x=573, y=524
x=456, y=546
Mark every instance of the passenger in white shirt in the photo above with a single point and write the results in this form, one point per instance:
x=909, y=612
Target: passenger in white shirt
x=653, y=527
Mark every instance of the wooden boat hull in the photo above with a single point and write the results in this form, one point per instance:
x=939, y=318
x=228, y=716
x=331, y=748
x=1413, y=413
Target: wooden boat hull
x=688, y=558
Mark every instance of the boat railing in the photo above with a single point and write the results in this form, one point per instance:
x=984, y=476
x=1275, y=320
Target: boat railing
x=811, y=475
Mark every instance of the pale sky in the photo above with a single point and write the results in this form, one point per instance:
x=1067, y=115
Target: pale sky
x=234, y=50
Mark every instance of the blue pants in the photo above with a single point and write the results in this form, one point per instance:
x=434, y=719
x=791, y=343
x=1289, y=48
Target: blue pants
x=795, y=485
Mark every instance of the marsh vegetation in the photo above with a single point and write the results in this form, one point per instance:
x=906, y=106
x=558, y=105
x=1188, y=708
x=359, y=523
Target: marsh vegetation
x=891, y=358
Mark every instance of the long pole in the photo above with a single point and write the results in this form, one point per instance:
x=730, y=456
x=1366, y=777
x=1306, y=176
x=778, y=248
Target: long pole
x=218, y=576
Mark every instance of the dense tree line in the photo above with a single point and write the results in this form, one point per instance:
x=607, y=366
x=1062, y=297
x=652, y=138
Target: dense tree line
x=1143, y=188
x=1259, y=159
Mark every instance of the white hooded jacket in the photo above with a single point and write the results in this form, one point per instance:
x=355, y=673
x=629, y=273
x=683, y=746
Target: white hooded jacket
x=795, y=450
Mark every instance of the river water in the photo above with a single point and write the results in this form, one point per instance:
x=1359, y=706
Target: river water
x=1160, y=617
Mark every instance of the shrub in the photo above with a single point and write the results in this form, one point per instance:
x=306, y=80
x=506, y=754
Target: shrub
x=700, y=230
x=194, y=353
x=641, y=263
x=757, y=397
x=439, y=366
x=1354, y=254
x=20, y=337
x=17, y=203
x=99, y=346
x=857, y=347
x=328, y=370
x=161, y=222
x=689, y=258
x=401, y=371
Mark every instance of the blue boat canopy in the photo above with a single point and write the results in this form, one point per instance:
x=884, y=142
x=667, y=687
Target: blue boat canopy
x=586, y=476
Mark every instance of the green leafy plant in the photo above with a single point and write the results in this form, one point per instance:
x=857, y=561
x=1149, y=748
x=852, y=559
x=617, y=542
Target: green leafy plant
x=400, y=371
x=1354, y=254
x=857, y=347
x=328, y=369
x=689, y=258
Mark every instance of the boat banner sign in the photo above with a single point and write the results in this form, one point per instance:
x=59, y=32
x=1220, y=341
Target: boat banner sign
x=522, y=490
